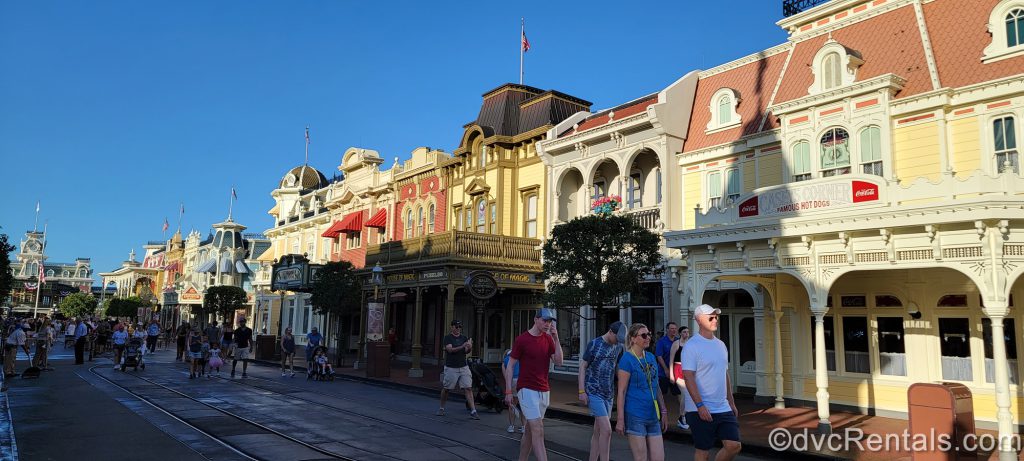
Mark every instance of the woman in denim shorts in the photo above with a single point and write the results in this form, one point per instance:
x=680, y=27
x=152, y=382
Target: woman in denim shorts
x=641, y=412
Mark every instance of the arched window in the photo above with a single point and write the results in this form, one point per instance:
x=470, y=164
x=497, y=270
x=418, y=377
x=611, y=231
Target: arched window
x=830, y=67
x=1015, y=27
x=531, y=216
x=871, y=151
x=801, y=161
x=483, y=156
x=494, y=218
x=430, y=219
x=481, y=216
x=408, y=224
x=835, y=152
x=419, y=221
x=49, y=273
x=714, y=189
x=724, y=110
x=634, y=190
x=1005, y=137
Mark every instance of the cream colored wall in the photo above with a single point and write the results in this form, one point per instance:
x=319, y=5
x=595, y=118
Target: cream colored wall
x=916, y=152
x=965, y=145
x=749, y=174
x=693, y=188
x=770, y=169
x=529, y=176
x=921, y=342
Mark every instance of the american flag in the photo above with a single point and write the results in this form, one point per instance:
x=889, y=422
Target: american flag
x=307, y=135
x=166, y=225
x=526, y=43
x=233, y=194
x=42, y=276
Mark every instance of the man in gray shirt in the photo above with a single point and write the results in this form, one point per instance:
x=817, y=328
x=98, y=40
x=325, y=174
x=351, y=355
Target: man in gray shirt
x=456, y=373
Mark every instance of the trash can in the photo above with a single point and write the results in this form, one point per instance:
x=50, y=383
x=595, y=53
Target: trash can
x=941, y=410
x=266, y=347
x=378, y=359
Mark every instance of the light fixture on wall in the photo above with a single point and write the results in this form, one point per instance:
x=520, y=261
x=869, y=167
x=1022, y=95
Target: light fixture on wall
x=913, y=310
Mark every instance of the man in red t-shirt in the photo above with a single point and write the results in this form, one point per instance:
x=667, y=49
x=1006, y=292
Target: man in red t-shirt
x=533, y=352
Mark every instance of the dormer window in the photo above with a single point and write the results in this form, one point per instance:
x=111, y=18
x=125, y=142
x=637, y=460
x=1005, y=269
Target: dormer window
x=723, y=109
x=834, y=66
x=1006, y=24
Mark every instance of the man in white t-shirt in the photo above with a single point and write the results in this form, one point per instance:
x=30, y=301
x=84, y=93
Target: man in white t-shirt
x=710, y=409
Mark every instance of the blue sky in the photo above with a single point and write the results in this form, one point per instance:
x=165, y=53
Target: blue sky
x=112, y=113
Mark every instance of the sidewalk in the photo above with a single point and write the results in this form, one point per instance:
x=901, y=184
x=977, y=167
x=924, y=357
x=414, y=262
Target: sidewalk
x=756, y=421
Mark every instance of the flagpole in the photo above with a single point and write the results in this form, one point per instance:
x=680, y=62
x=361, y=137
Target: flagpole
x=36, y=226
x=42, y=265
x=181, y=211
x=522, y=33
x=231, y=202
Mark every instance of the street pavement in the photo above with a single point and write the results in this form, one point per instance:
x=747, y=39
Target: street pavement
x=93, y=412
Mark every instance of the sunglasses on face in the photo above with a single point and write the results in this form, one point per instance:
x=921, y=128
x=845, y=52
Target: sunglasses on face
x=645, y=335
x=712, y=317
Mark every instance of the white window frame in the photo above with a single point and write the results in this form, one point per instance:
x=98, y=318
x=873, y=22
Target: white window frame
x=999, y=49
x=732, y=185
x=480, y=219
x=1014, y=152
x=530, y=213
x=714, y=107
x=409, y=223
x=801, y=175
x=849, y=63
x=822, y=171
x=875, y=164
x=599, y=184
x=714, y=198
x=431, y=212
x=419, y=221
x=353, y=240
x=635, y=190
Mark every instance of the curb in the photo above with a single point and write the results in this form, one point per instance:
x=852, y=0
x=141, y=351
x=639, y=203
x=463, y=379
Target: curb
x=579, y=418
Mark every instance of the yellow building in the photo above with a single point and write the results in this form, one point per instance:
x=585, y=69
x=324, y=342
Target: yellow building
x=852, y=199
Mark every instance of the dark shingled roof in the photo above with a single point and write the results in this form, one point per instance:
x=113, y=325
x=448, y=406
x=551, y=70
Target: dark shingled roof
x=512, y=109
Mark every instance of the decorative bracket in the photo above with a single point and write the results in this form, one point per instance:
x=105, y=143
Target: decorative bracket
x=807, y=241
x=1004, y=228
x=980, y=226
x=744, y=254
x=890, y=247
x=618, y=139
x=845, y=238
x=773, y=244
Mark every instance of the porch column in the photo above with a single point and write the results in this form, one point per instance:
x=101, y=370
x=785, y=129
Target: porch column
x=364, y=307
x=996, y=312
x=449, y=305
x=417, y=349
x=780, y=400
x=819, y=309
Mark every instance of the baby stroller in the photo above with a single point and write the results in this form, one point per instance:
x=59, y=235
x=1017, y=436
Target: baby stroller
x=488, y=389
x=132, y=356
x=316, y=371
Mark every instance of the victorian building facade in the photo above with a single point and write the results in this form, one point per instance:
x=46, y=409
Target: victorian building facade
x=623, y=151
x=60, y=279
x=850, y=200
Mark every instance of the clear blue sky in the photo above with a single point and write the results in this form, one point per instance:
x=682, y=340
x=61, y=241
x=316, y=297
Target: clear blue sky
x=113, y=112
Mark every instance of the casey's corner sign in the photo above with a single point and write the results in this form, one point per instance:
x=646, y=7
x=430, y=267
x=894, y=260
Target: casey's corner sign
x=818, y=196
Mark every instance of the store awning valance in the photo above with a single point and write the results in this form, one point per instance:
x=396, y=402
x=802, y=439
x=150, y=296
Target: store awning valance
x=353, y=222
x=209, y=266
x=379, y=219
x=241, y=267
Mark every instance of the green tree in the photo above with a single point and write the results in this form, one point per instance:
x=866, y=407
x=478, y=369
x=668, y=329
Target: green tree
x=78, y=305
x=593, y=260
x=337, y=291
x=123, y=307
x=224, y=301
x=6, y=277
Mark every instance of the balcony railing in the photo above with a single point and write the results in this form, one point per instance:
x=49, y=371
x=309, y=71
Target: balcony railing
x=468, y=246
x=649, y=218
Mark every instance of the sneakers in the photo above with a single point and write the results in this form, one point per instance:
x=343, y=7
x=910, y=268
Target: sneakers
x=293, y=374
x=522, y=429
x=511, y=429
x=682, y=424
x=283, y=373
x=473, y=415
x=440, y=412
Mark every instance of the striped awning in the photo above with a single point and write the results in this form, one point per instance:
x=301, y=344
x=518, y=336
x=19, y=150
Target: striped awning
x=379, y=219
x=241, y=267
x=352, y=222
x=209, y=266
x=225, y=266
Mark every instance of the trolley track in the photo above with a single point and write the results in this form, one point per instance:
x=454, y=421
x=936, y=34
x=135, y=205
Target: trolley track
x=218, y=428
x=290, y=392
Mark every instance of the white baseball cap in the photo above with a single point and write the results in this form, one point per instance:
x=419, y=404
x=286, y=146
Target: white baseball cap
x=705, y=309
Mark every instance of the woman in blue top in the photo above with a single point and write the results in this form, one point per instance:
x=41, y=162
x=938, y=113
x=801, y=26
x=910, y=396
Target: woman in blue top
x=513, y=413
x=313, y=340
x=641, y=412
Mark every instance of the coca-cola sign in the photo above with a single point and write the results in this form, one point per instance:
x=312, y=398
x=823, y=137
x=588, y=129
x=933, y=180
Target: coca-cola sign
x=801, y=198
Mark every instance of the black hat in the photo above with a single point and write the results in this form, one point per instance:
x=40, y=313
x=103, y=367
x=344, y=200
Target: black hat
x=456, y=323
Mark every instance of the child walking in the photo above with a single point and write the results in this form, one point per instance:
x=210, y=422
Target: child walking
x=195, y=354
x=215, y=361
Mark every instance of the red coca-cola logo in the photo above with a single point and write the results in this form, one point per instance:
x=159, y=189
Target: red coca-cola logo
x=864, y=191
x=749, y=207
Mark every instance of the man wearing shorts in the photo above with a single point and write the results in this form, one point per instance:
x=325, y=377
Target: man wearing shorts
x=710, y=409
x=596, y=383
x=243, y=341
x=456, y=373
x=534, y=351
